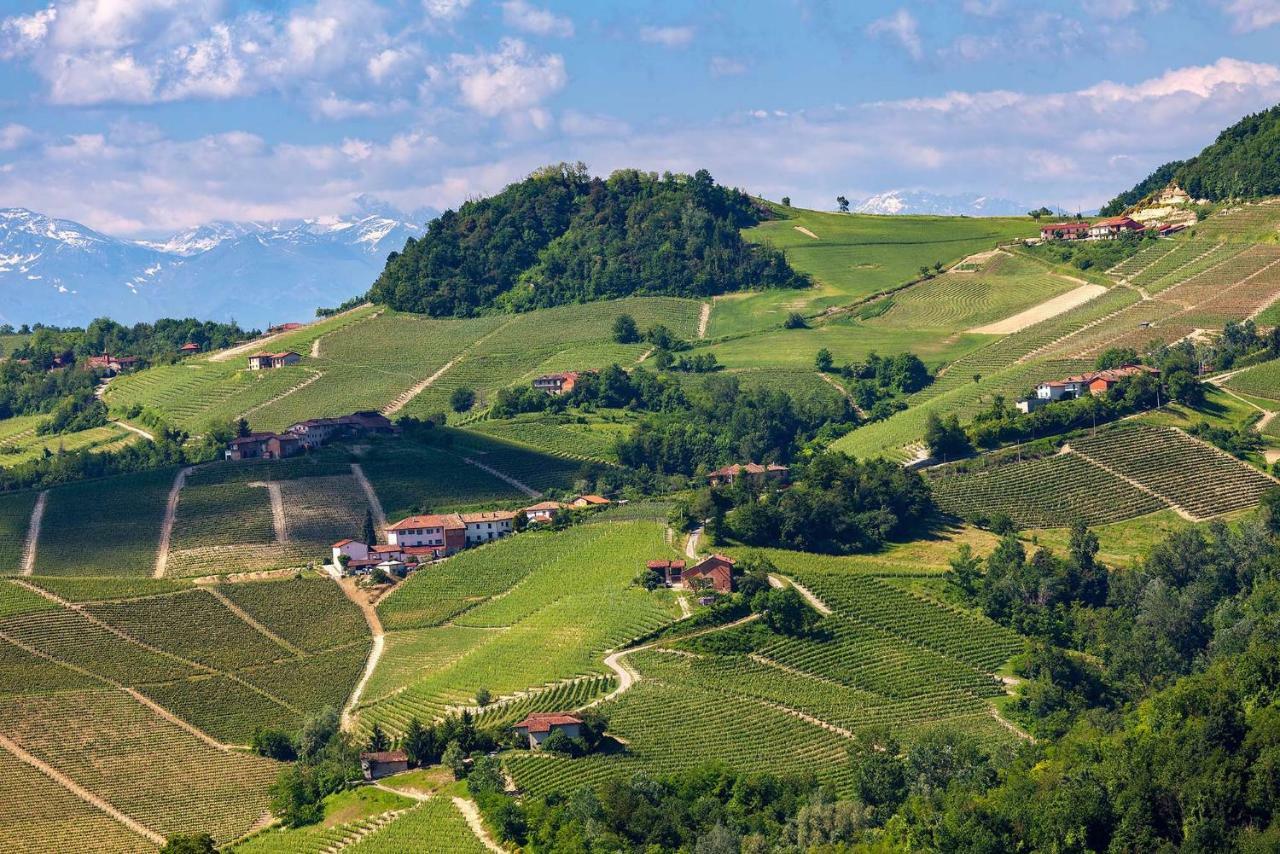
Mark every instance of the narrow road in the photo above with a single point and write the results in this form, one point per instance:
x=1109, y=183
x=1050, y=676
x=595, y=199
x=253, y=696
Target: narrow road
x=704, y=318
x=506, y=478
x=403, y=400
x=471, y=813
x=379, y=517
x=33, y=534
x=361, y=601
x=166, y=527
x=261, y=629
x=814, y=602
x=278, y=520
x=143, y=433
x=80, y=792
x=691, y=542
x=315, y=375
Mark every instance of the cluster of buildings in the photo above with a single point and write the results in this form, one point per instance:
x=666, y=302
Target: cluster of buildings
x=1094, y=383
x=755, y=474
x=112, y=365
x=1105, y=229
x=711, y=573
x=558, y=384
x=419, y=539
x=307, y=435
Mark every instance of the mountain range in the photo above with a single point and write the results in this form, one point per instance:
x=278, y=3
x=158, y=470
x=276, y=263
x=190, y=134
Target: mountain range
x=923, y=202
x=55, y=271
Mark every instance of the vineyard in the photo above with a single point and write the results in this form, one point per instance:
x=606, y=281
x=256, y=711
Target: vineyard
x=1050, y=492
x=349, y=816
x=1186, y=472
x=567, y=595
x=15, y=516
x=436, y=819
x=89, y=530
x=1260, y=381
x=1249, y=222
x=410, y=478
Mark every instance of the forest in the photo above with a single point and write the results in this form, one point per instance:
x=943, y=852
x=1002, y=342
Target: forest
x=561, y=236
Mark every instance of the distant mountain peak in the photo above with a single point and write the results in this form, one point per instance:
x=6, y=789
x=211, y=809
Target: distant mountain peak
x=902, y=202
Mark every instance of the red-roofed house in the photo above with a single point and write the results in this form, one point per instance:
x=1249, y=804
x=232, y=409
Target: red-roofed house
x=267, y=446
x=1109, y=229
x=491, y=525
x=442, y=533
x=263, y=360
x=670, y=570
x=283, y=327
x=591, y=501
x=717, y=570
x=1077, y=230
x=383, y=763
x=561, y=383
x=543, y=511
x=753, y=472
x=538, y=726
x=189, y=348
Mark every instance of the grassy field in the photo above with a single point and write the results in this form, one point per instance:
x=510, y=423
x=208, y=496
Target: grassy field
x=567, y=595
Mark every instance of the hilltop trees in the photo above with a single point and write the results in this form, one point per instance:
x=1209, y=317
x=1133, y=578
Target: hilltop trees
x=561, y=236
x=625, y=330
x=842, y=203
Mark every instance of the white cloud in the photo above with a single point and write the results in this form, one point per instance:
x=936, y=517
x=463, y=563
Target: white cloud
x=21, y=35
x=668, y=36
x=531, y=19
x=1250, y=15
x=727, y=66
x=14, y=136
x=509, y=79
x=900, y=27
x=1202, y=81
x=445, y=10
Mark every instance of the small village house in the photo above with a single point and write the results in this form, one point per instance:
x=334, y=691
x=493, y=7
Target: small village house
x=445, y=533
x=487, y=526
x=1095, y=383
x=557, y=384
x=262, y=361
x=264, y=446
x=112, y=365
x=714, y=573
x=1109, y=229
x=670, y=570
x=543, y=512
x=754, y=473
x=352, y=550
x=189, y=348
x=591, y=501
x=383, y=763
x=1077, y=230
x=283, y=327
x=538, y=726
x=307, y=435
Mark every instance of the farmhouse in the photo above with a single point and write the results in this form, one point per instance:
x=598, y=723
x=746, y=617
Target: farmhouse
x=306, y=436
x=1109, y=229
x=442, y=533
x=283, y=327
x=1095, y=383
x=556, y=384
x=264, y=446
x=670, y=570
x=543, y=511
x=492, y=525
x=383, y=763
x=189, y=348
x=538, y=726
x=714, y=573
x=263, y=360
x=1077, y=230
x=591, y=501
x=753, y=473
x=111, y=365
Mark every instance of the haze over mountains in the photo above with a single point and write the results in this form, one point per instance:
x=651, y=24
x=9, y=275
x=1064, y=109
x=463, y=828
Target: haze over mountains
x=924, y=202
x=60, y=272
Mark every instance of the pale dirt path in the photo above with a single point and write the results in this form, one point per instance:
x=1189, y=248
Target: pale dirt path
x=691, y=543
x=704, y=318
x=81, y=792
x=138, y=430
x=261, y=629
x=33, y=534
x=278, y=520
x=315, y=348
x=1180, y=510
x=1009, y=725
x=379, y=517
x=506, y=478
x=471, y=813
x=844, y=392
x=404, y=399
x=315, y=375
x=686, y=610
x=361, y=601
x=806, y=232
x=261, y=343
x=1267, y=414
x=809, y=596
x=166, y=527
x=1045, y=310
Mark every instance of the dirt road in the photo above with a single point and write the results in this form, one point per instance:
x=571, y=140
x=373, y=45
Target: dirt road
x=166, y=528
x=33, y=534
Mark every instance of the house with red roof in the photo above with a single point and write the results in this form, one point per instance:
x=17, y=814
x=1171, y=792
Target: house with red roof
x=1109, y=229
x=538, y=726
x=262, y=360
x=714, y=572
x=383, y=763
x=672, y=571
x=1077, y=230
x=754, y=473
x=543, y=512
x=189, y=348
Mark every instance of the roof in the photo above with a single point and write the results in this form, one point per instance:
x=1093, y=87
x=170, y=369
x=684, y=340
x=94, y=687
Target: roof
x=489, y=516
x=561, y=377
x=445, y=520
x=749, y=468
x=1115, y=220
x=593, y=499
x=251, y=438
x=340, y=543
x=190, y=345
x=384, y=756
x=544, y=505
x=666, y=564
x=544, y=721
x=703, y=564
x=1065, y=225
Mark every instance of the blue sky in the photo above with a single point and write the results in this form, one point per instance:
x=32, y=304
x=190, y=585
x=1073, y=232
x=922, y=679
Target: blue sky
x=141, y=117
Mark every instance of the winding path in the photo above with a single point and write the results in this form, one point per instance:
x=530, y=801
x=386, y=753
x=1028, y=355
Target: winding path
x=138, y=430
x=166, y=527
x=33, y=534
x=348, y=586
x=404, y=399
x=375, y=506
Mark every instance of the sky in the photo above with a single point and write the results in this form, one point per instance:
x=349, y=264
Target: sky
x=144, y=117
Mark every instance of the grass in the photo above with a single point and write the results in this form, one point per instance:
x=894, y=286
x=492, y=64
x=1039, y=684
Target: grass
x=567, y=595
x=109, y=526
x=1119, y=543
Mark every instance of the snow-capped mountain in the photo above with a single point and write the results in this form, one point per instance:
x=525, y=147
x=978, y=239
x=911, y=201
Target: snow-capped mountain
x=60, y=272
x=922, y=202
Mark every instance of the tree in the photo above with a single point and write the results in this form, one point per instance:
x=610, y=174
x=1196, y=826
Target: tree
x=274, y=744
x=242, y=427
x=189, y=843
x=462, y=399
x=824, y=361
x=625, y=330
x=785, y=611
x=317, y=731
x=368, y=533
x=966, y=569
x=795, y=320
x=786, y=201
x=559, y=742
x=842, y=203
x=944, y=438
x=419, y=743
x=483, y=697
x=455, y=760
x=378, y=740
